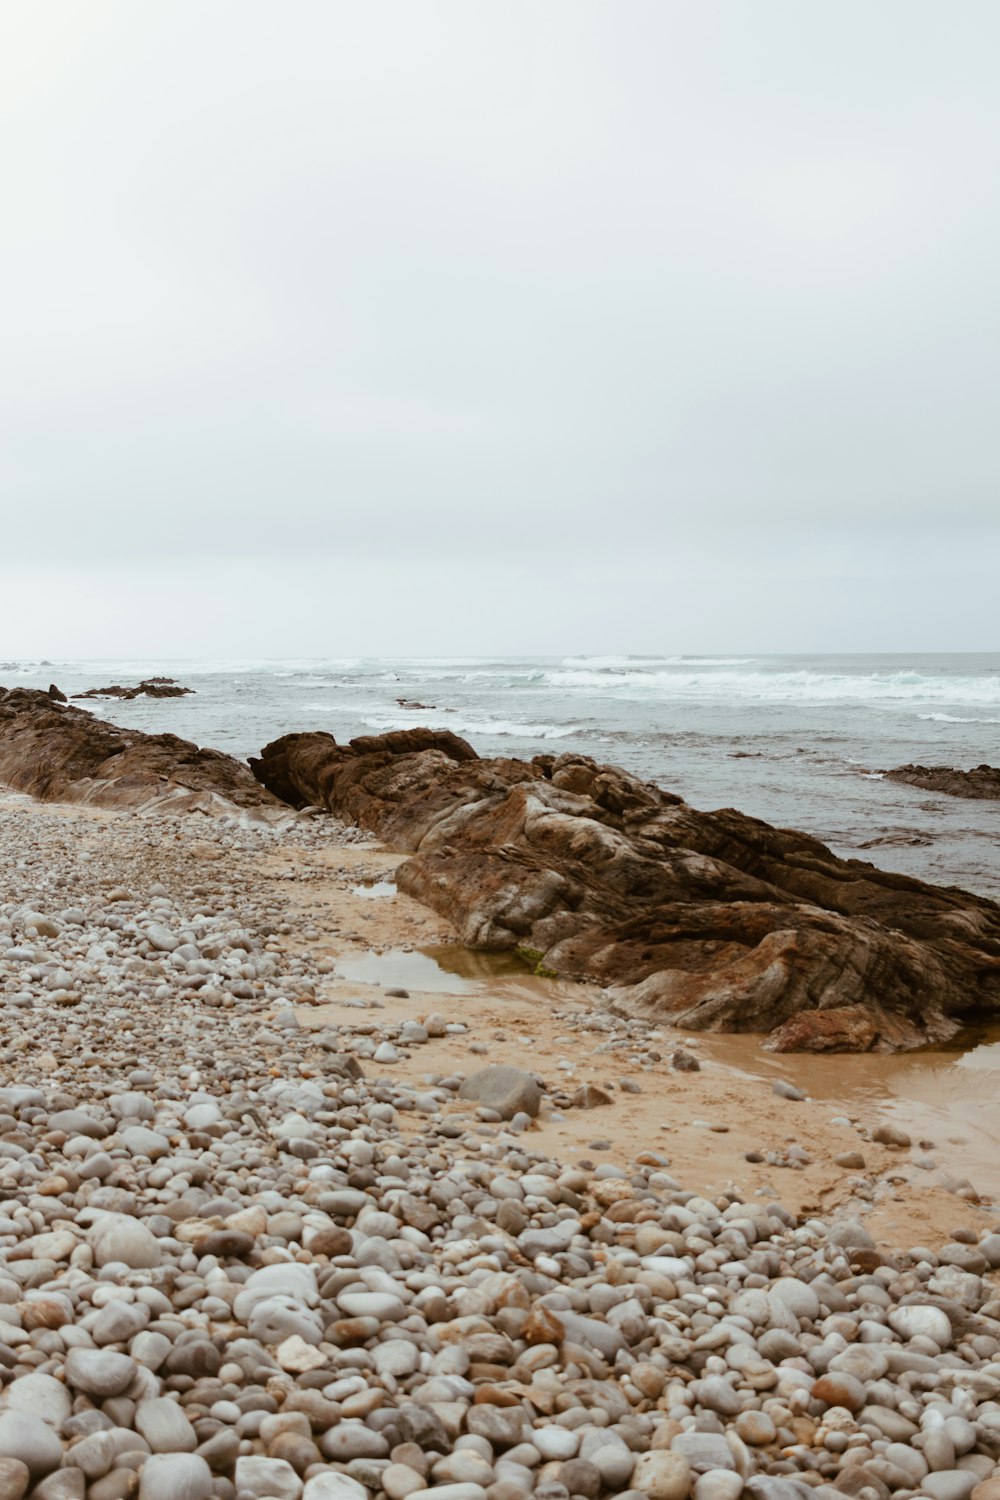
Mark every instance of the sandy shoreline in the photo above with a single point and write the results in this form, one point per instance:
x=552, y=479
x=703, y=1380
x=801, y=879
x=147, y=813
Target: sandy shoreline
x=548, y=1025
x=254, y=1245
x=704, y=1123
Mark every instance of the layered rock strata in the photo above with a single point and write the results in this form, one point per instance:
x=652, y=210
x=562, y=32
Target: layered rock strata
x=150, y=687
x=715, y=921
x=982, y=782
x=63, y=754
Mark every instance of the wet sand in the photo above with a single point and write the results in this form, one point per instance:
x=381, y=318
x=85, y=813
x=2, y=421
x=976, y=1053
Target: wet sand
x=379, y=942
x=369, y=939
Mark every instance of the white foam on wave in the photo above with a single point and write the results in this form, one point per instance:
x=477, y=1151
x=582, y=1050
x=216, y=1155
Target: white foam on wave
x=498, y=728
x=611, y=663
x=503, y=675
x=955, y=719
x=636, y=663
x=796, y=686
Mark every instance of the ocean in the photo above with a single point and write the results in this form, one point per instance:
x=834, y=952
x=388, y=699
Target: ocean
x=800, y=741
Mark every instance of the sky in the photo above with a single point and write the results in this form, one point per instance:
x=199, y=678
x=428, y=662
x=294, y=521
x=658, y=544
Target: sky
x=521, y=326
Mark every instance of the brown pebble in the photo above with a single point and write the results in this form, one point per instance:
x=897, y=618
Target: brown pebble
x=331, y=1242
x=542, y=1327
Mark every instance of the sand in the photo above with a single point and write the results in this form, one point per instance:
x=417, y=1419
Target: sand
x=704, y=1123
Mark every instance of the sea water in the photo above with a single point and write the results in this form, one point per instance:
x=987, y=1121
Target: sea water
x=800, y=741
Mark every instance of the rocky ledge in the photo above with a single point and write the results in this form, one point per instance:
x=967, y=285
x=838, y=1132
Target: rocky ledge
x=63, y=754
x=981, y=782
x=150, y=687
x=713, y=921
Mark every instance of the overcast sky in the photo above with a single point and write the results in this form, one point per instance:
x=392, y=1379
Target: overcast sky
x=445, y=326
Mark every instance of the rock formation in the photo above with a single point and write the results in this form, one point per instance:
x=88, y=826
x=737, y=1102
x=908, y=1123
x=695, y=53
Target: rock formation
x=151, y=687
x=64, y=754
x=714, y=921
x=980, y=782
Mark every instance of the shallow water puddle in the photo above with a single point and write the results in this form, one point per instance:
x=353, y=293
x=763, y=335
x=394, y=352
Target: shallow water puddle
x=382, y=889
x=947, y=1096
x=448, y=969
x=399, y=969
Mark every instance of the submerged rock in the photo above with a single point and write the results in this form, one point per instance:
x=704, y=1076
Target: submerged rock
x=715, y=921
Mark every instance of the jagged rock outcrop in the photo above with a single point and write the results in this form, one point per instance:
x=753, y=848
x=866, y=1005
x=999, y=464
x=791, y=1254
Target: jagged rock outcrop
x=151, y=687
x=714, y=921
x=981, y=782
x=59, y=753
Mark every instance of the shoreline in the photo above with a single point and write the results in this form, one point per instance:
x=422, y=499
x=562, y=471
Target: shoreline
x=569, y=1036
x=255, y=1245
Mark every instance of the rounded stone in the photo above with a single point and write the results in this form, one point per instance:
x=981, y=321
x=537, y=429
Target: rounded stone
x=31, y=1441
x=581, y=1477
x=797, y=1296
x=40, y=1396
x=555, y=1442
x=755, y=1428
x=333, y=1486
x=164, y=1426
x=175, y=1476
x=922, y=1322
x=949, y=1484
x=116, y=1237
x=272, y=1478
x=100, y=1372
x=838, y=1388
x=15, y=1477
x=662, y=1475
x=400, y=1481
x=716, y=1394
x=718, y=1484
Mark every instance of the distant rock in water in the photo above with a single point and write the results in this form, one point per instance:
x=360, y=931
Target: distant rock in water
x=152, y=687
x=713, y=921
x=981, y=782
x=64, y=754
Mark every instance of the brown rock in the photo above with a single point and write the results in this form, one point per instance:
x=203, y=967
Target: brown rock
x=295, y=1449
x=331, y=1242
x=494, y=1395
x=685, y=1062
x=226, y=1244
x=840, y=1389
x=714, y=921
x=63, y=754
x=43, y=1313
x=152, y=687
x=542, y=1327
x=581, y=1477
x=589, y=1096
x=982, y=782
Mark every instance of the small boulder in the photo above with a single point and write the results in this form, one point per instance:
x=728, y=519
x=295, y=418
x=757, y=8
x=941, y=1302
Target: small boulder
x=508, y=1090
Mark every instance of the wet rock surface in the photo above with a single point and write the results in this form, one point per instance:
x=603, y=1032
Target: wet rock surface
x=151, y=687
x=714, y=921
x=239, y=1258
x=982, y=782
x=64, y=754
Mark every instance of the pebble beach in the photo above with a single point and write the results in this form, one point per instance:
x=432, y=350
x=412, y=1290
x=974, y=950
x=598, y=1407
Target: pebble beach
x=273, y=1226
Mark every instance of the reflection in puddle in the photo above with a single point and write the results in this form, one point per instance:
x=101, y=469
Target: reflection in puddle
x=484, y=966
x=447, y=969
x=381, y=888
x=398, y=969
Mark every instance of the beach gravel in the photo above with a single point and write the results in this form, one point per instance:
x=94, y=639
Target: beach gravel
x=246, y=1257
